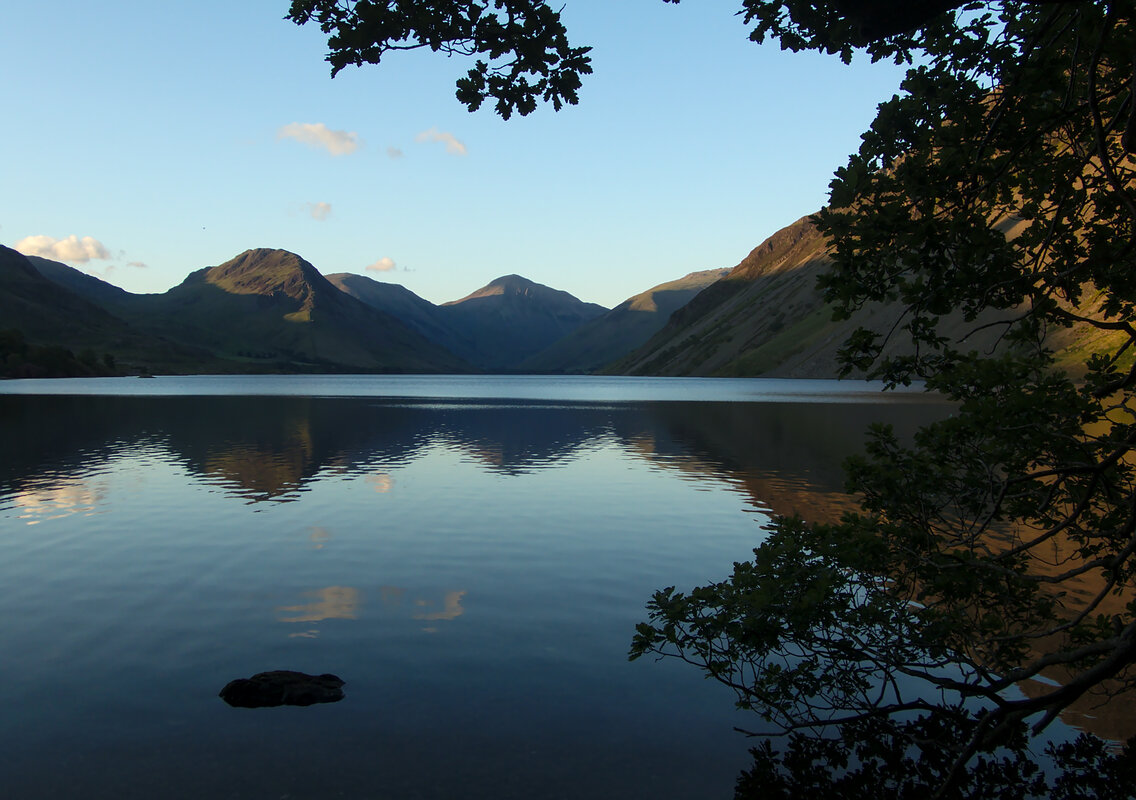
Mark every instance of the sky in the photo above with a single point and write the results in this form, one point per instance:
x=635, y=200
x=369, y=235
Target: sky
x=146, y=140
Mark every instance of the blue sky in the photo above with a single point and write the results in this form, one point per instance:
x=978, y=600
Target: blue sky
x=145, y=140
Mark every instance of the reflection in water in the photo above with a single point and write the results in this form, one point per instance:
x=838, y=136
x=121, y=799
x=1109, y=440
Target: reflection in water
x=451, y=607
x=785, y=457
x=381, y=482
x=559, y=520
x=55, y=502
x=318, y=537
x=332, y=602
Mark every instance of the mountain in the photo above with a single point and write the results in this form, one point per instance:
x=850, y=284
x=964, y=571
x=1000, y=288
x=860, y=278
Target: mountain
x=392, y=298
x=50, y=314
x=621, y=330
x=766, y=317
x=512, y=318
x=272, y=309
x=103, y=294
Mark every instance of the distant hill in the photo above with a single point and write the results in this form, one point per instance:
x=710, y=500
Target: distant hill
x=512, y=318
x=627, y=326
x=272, y=309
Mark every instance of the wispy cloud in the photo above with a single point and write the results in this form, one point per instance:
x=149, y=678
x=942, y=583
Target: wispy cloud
x=138, y=264
x=70, y=249
x=394, y=152
x=453, y=145
x=316, y=134
x=318, y=211
x=384, y=264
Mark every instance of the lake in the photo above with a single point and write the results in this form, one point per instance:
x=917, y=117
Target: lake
x=470, y=555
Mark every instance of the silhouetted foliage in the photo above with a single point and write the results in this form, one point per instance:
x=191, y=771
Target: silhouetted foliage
x=1000, y=546
x=523, y=48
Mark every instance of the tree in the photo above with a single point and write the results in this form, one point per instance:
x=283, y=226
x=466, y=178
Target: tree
x=525, y=49
x=999, y=546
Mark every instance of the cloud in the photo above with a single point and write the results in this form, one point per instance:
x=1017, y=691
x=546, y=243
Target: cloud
x=453, y=146
x=384, y=264
x=70, y=249
x=319, y=211
x=138, y=264
x=316, y=134
x=394, y=152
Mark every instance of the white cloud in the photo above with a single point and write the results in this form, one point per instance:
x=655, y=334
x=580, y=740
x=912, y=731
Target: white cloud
x=316, y=134
x=453, y=146
x=70, y=249
x=394, y=152
x=319, y=211
x=384, y=264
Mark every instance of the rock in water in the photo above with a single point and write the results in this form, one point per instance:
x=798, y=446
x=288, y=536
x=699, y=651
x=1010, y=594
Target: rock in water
x=282, y=687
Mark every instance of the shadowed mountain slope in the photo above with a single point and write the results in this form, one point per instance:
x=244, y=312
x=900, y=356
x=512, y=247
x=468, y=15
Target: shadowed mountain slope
x=106, y=295
x=621, y=330
x=49, y=313
x=395, y=299
x=512, y=318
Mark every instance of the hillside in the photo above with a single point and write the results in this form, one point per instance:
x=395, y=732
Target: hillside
x=767, y=318
x=627, y=326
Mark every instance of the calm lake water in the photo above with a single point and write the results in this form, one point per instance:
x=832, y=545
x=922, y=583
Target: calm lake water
x=470, y=555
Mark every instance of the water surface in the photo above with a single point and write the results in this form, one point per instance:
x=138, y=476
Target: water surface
x=470, y=556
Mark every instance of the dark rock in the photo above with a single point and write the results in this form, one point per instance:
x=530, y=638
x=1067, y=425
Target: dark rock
x=282, y=687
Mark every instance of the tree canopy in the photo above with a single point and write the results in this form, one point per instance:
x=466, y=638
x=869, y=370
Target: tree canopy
x=999, y=547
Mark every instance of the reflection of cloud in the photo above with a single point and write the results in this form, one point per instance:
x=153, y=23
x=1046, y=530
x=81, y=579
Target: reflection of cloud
x=384, y=264
x=453, y=145
x=38, y=505
x=318, y=537
x=70, y=249
x=316, y=134
x=332, y=602
x=381, y=481
x=312, y=634
x=452, y=607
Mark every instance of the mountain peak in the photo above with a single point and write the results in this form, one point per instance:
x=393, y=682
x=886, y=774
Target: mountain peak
x=266, y=271
x=505, y=285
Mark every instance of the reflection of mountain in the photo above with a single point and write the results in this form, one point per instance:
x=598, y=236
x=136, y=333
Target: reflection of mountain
x=785, y=457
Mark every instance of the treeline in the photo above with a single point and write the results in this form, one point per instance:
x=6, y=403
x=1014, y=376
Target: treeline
x=20, y=359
